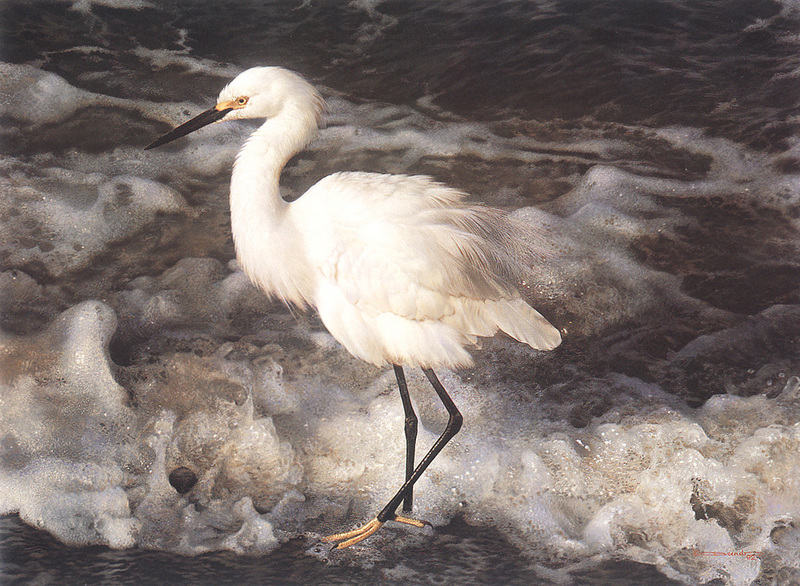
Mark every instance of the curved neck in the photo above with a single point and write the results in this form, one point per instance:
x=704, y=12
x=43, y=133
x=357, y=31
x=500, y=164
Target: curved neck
x=257, y=170
x=262, y=232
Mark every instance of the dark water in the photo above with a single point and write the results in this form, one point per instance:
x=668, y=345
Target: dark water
x=723, y=65
x=660, y=138
x=459, y=554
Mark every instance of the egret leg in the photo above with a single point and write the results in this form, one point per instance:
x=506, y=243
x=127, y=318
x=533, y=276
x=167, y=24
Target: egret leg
x=388, y=513
x=411, y=434
x=453, y=425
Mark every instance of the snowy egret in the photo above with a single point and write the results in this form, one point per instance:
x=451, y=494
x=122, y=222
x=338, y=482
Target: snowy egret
x=400, y=268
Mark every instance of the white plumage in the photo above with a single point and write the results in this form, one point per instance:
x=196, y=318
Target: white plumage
x=401, y=269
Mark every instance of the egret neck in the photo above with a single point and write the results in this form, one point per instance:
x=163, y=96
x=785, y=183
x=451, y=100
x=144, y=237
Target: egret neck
x=261, y=226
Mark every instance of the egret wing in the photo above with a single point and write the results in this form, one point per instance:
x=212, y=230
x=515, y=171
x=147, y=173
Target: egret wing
x=410, y=274
x=406, y=245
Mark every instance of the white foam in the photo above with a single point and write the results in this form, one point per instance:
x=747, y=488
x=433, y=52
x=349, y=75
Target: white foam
x=65, y=426
x=162, y=58
x=36, y=97
x=635, y=476
x=78, y=503
x=630, y=484
x=86, y=5
x=286, y=433
x=78, y=215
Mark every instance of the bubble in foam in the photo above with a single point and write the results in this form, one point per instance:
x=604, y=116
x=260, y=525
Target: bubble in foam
x=239, y=459
x=182, y=479
x=791, y=390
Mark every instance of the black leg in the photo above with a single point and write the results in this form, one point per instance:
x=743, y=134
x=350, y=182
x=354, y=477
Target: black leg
x=411, y=434
x=453, y=425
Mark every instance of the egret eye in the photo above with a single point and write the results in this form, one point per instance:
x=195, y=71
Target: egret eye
x=241, y=102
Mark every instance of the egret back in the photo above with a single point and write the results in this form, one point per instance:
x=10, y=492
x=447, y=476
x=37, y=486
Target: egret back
x=408, y=273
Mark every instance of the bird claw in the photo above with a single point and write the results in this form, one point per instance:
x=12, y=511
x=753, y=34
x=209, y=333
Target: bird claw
x=415, y=522
x=355, y=536
x=361, y=533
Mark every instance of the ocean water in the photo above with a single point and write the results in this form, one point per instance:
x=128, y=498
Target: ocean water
x=649, y=152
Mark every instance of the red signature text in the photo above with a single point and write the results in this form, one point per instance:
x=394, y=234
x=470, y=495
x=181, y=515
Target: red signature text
x=748, y=555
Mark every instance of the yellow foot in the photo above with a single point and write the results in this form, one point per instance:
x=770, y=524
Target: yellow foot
x=358, y=535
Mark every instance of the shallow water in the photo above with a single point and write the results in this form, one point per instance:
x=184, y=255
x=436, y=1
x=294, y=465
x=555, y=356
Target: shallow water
x=458, y=553
x=649, y=153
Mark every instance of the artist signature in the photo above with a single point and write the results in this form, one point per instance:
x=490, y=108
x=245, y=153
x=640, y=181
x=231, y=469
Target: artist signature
x=748, y=555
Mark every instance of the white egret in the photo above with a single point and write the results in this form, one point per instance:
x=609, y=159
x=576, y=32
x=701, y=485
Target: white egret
x=400, y=268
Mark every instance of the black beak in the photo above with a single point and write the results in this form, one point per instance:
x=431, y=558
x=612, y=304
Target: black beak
x=204, y=119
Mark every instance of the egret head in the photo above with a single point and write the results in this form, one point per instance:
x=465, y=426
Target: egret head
x=260, y=92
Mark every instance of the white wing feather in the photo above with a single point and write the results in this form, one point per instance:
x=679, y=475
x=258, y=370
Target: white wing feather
x=408, y=273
